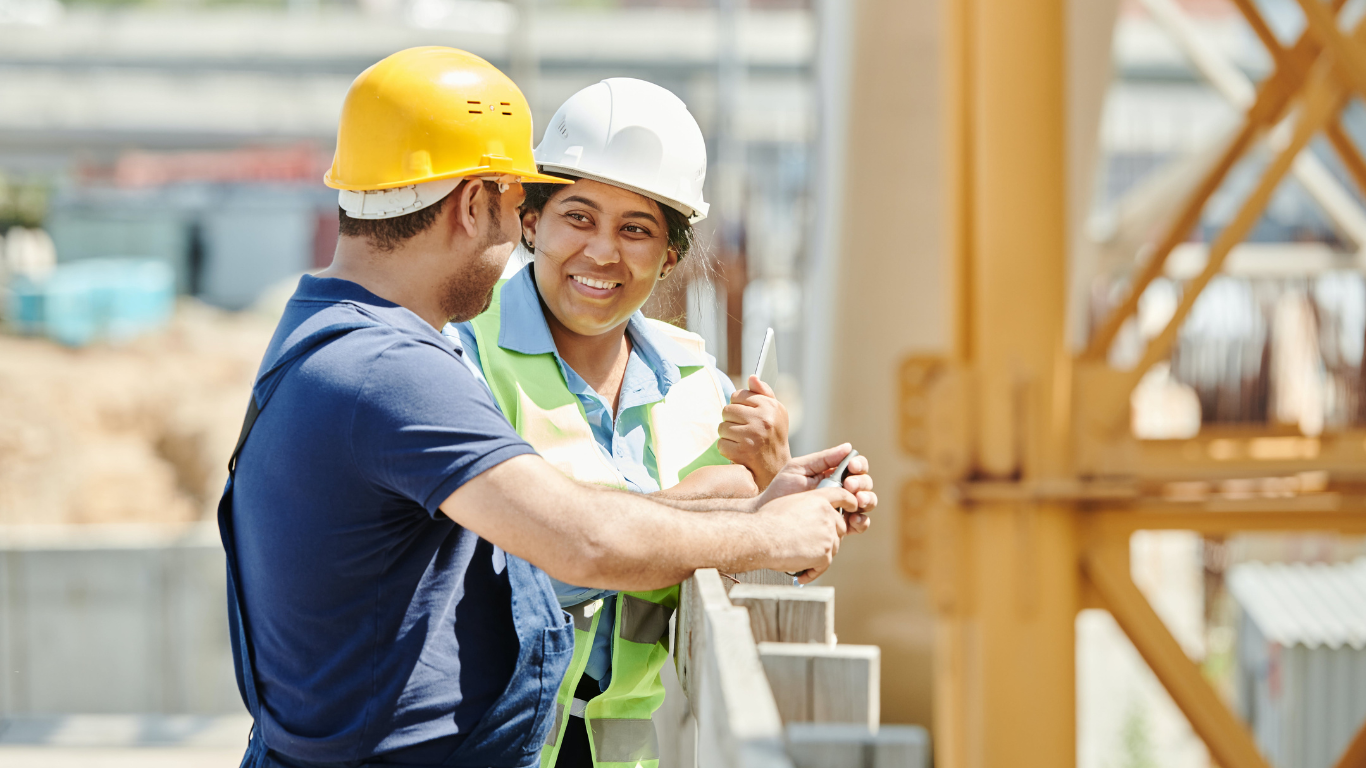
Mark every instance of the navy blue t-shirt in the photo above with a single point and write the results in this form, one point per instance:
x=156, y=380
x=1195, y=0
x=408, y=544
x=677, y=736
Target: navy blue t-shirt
x=376, y=622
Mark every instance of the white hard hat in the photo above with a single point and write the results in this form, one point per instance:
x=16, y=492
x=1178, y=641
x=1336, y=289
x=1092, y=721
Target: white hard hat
x=630, y=134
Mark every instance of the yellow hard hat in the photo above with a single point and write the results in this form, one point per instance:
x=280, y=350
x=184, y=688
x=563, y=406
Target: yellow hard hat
x=426, y=115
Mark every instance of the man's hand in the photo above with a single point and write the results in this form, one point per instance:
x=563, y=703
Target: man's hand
x=805, y=472
x=805, y=530
x=754, y=431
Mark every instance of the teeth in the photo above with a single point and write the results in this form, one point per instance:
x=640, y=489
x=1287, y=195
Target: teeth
x=591, y=283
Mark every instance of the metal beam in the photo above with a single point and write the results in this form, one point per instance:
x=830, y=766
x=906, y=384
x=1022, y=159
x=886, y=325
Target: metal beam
x=1322, y=100
x=1263, y=30
x=1348, y=53
x=1209, y=519
x=1355, y=754
x=1342, y=209
x=1272, y=99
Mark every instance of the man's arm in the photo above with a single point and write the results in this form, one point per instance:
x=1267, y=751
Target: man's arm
x=608, y=539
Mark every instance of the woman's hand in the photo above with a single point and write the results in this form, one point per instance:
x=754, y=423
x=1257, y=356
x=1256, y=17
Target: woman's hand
x=754, y=432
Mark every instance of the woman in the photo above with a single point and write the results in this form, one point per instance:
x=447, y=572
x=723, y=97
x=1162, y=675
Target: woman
x=610, y=396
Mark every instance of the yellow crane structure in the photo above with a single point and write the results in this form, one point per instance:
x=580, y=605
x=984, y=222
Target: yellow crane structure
x=1029, y=481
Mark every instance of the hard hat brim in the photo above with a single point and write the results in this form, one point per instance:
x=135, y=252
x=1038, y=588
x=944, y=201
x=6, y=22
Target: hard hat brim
x=694, y=214
x=524, y=177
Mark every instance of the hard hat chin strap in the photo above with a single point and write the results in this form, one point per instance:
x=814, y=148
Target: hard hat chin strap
x=391, y=203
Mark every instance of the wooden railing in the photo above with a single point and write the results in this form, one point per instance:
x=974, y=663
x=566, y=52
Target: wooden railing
x=770, y=687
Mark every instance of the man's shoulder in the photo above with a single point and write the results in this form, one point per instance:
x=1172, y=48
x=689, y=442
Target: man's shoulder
x=353, y=328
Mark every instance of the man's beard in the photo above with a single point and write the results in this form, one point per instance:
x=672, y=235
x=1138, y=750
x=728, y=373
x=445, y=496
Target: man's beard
x=469, y=292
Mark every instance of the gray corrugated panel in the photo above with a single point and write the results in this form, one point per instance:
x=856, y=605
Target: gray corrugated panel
x=1310, y=605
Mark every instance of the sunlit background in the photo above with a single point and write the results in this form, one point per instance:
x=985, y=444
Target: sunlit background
x=160, y=194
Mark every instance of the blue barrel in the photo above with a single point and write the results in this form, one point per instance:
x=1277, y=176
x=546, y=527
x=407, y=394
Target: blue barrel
x=96, y=300
x=144, y=301
x=25, y=305
x=76, y=295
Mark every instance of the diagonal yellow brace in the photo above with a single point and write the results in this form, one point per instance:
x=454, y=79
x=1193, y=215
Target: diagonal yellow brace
x=1348, y=53
x=1355, y=754
x=1348, y=153
x=1273, y=94
x=1228, y=740
x=1273, y=97
x=1263, y=30
x=1323, y=98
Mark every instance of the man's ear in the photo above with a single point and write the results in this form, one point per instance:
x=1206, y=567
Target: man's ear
x=529, y=221
x=467, y=204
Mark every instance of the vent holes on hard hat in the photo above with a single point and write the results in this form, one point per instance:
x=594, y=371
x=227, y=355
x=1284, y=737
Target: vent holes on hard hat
x=503, y=106
x=564, y=131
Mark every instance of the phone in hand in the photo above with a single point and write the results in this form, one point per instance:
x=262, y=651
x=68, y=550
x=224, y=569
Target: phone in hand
x=836, y=478
x=767, y=369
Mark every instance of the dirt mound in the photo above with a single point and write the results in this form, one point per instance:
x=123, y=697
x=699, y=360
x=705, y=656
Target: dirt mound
x=136, y=433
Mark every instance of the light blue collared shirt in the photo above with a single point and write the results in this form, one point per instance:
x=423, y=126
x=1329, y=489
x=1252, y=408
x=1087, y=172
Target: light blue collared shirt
x=651, y=370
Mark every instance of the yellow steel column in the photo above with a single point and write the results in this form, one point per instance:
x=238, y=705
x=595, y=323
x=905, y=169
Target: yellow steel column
x=1008, y=606
x=1018, y=220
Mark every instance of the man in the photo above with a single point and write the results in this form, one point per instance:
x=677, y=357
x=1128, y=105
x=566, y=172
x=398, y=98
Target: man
x=382, y=517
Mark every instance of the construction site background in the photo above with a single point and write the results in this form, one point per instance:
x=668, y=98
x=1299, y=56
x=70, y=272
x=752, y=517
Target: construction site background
x=191, y=136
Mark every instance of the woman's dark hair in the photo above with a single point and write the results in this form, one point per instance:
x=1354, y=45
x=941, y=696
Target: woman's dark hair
x=680, y=232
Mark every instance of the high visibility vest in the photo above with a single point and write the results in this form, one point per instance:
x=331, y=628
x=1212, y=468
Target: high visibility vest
x=533, y=395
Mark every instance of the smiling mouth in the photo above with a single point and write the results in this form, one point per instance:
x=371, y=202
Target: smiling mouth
x=602, y=285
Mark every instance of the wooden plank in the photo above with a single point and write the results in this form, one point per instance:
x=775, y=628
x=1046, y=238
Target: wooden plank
x=846, y=685
x=787, y=614
x=1227, y=738
x=688, y=637
x=901, y=746
x=839, y=745
x=763, y=576
x=825, y=683
x=737, y=718
x=789, y=677
x=763, y=613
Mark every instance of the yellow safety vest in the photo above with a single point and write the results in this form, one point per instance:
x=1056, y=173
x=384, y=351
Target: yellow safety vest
x=534, y=396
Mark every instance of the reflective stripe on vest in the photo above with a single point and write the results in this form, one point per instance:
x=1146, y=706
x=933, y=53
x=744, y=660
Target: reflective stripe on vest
x=586, y=617
x=643, y=621
x=554, y=735
x=683, y=430
x=623, y=740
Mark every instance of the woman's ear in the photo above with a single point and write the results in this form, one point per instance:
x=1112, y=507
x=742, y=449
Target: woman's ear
x=529, y=221
x=670, y=262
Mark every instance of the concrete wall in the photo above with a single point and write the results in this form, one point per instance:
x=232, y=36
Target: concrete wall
x=97, y=619
x=891, y=285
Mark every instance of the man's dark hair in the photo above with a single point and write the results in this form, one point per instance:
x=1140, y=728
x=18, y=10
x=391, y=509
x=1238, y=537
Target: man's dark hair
x=388, y=234
x=680, y=232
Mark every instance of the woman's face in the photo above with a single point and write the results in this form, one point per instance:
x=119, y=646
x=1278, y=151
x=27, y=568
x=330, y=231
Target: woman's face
x=599, y=250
